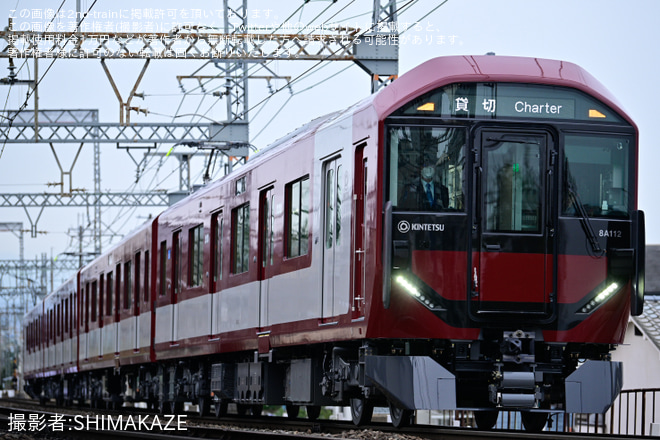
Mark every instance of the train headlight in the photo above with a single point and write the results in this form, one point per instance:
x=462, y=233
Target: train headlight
x=603, y=296
x=420, y=295
x=414, y=291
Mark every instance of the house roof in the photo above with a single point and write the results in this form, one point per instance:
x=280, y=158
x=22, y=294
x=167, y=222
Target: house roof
x=649, y=321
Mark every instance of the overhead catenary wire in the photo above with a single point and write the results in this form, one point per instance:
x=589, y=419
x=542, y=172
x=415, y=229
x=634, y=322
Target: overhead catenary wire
x=36, y=85
x=199, y=114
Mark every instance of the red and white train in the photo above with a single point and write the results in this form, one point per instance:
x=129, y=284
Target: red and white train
x=467, y=238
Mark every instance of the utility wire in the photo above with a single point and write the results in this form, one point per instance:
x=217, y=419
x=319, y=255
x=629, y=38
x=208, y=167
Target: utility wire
x=30, y=93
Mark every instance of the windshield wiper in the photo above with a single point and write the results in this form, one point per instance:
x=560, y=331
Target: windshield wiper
x=584, y=220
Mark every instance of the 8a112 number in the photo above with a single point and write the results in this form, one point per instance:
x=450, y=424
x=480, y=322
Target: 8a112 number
x=610, y=233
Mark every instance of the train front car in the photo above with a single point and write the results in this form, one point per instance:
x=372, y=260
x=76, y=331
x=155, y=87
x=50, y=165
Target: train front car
x=512, y=250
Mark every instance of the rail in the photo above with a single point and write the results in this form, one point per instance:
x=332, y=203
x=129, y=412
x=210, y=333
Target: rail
x=635, y=412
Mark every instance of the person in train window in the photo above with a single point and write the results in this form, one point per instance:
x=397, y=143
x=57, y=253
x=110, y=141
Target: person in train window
x=425, y=193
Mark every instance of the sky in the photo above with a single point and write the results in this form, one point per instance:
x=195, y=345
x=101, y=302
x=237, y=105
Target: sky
x=617, y=42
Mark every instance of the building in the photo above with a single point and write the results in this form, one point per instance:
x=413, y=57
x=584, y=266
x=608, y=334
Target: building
x=640, y=352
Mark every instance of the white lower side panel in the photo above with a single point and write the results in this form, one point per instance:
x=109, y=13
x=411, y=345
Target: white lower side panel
x=127, y=334
x=109, y=339
x=193, y=317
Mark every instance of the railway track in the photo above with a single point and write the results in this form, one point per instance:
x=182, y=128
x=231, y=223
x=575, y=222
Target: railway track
x=73, y=422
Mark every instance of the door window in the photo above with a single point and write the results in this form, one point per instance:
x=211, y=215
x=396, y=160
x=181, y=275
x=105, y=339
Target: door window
x=513, y=185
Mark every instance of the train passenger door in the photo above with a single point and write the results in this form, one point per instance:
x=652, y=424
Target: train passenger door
x=513, y=262
x=336, y=276
x=359, y=231
x=266, y=243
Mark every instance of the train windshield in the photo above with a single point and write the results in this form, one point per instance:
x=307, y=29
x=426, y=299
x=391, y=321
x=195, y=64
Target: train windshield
x=427, y=168
x=596, y=175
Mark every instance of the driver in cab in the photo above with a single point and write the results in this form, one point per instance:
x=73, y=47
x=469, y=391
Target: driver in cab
x=425, y=193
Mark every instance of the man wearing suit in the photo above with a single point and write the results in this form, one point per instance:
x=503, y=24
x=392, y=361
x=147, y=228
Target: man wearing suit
x=425, y=194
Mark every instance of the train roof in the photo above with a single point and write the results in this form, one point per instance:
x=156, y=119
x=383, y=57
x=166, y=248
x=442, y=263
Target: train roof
x=125, y=239
x=52, y=296
x=442, y=71
x=431, y=75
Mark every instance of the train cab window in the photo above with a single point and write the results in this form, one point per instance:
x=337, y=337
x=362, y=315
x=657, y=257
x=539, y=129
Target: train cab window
x=163, y=268
x=297, y=202
x=241, y=238
x=196, y=251
x=109, y=294
x=427, y=168
x=596, y=175
x=128, y=285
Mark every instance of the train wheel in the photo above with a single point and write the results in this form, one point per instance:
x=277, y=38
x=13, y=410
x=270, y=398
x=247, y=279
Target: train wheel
x=221, y=408
x=361, y=411
x=256, y=410
x=203, y=406
x=485, y=420
x=242, y=409
x=313, y=412
x=400, y=417
x=534, y=421
x=292, y=411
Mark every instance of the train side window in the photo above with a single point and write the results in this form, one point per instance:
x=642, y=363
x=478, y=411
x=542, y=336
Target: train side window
x=117, y=289
x=176, y=262
x=87, y=293
x=101, y=295
x=240, y=185
x=163, y=268
x=109, y=294
x=94, y=301
x=217, y=222
x=329, y=210
x=241, y=238
x=73, y=313
x=338, y=206
x=297, y=203
x=138, y=265
x=59, y=316
x=196, y=250
x=66, y=315
x=128, y=285
x=147, y=272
